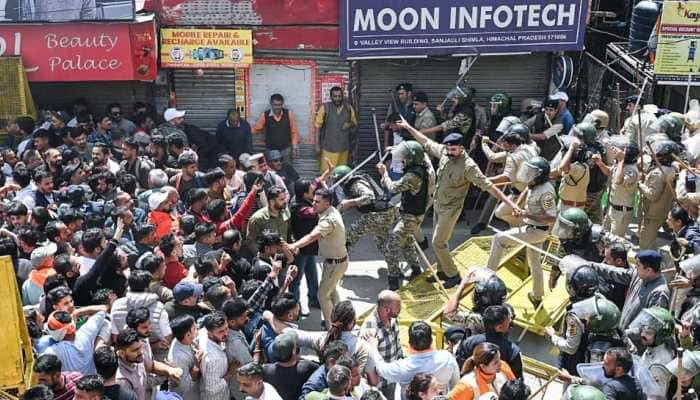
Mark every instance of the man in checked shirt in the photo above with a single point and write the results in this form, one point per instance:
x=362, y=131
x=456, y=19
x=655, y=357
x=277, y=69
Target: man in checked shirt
x=383, y=322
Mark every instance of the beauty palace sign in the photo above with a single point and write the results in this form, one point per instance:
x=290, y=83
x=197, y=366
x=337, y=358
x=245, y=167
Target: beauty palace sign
x=387, y=28
x=83, y=51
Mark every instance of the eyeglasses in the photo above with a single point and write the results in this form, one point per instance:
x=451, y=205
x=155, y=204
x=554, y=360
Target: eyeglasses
x=117, y=113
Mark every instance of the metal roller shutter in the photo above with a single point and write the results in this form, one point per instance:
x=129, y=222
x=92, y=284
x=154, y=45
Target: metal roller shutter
x=98, y=94
x=206, y=98
x=519, y=76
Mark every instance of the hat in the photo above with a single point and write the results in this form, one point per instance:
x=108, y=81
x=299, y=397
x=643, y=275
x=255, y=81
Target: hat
x=171, y=113
x=631, y=99
x=284, y=345
x=649, y=258
x=68, y=172
x=156, y=199
x=185, y=289
x=40, y=254
x=63, y=116
x=257, y=158
x=274, y=155
x=455, y=334
x=551, y=103
x=453, y=139
x=420, y=96
x=559, y=96
x=244, y=160
x=68, y=155
x=650, y=108
x=407, y=86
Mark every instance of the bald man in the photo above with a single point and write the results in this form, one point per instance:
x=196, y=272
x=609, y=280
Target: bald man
x=383, y=322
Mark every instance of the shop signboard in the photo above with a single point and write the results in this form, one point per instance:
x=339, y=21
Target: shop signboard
x=83, y=51
x=677, y=58
x=25, y=11
x=206, y=48
x=397, y=28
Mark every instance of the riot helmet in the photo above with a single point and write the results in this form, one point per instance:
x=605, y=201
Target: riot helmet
x=583, y=392
x=598, y=118
x=691, y=367
x=573, y=224
x=586, y=132
x=411, y=152
x=461, y=92
x=602, y=314
x=665, y=150
x=339, y=172
x=654, y=320
x=519, y=131
x=500, y=104
x=581, y=283
x=507, y=123
x=534, y=171
x=691, y=267
x=671, y=125
x=489, y=291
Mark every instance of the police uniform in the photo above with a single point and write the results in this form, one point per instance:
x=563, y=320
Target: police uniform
x=453, y=178
x=376, y=216
x=572, y=189
x=413, y=187
x=462, y=121
x=621, y=199
x=596, y=185
x=540, y=200
x=514, y=162
x=655, y=358
x=656, y=201
x=686, y=192
x=574, y=344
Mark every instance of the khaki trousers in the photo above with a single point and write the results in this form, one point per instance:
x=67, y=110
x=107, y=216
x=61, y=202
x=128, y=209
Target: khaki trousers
x=331, y=275
x=444, y=222
x=617, y=222
x=648, y=229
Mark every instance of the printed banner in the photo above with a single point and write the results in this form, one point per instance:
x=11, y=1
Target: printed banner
x=83, y=51
x=388, y=28
x=206, y=48
x=678, y=42
x=66, y=10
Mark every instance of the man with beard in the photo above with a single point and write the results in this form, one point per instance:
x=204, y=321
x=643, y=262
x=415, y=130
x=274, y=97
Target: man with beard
x=47, y=371
x=335, y=121
x=132, y=372
x=43, y=195
x=274, y=217
x=118, y=122
x=80, y=144
x=102, y=158
x=280, y=129
x=215, y=368
x=135, y=165
x=54, y=160
x=617, y=364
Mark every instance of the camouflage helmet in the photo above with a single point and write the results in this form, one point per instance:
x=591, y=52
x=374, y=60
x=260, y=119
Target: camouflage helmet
x=340, y=171
x=600, y=119
x=583, y=392
x=669, y=124
x=500, y=103
x=602, y=314
x=573, y=224
x=586, y=132
x=411, y=152
x=658, y=319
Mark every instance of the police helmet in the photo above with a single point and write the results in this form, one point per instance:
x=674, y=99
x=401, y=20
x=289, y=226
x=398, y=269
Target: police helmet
x=489, y=291
x=586, y=132
x=534, y=171
x=500, y=103
x=411, y=152
x=573, y=224
x=582, y=282
x=340, y=171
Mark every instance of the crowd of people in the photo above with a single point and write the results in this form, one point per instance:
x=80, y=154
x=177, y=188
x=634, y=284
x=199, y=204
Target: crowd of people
x=164, y=261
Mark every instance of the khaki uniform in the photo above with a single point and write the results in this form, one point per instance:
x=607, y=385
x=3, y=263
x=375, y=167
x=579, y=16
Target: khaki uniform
x=656, y=200
x=453, y=178
x=621, y=199
x=399, y=244
x=514, y=162
x=378, y=223
x=573, y=185
x=690, y=200
x=332, y=250
x=631, y=127
x=540, y=200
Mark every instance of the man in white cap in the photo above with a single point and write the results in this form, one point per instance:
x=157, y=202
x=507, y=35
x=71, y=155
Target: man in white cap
x=566, y=117
x=174, y=124
x=162, y=215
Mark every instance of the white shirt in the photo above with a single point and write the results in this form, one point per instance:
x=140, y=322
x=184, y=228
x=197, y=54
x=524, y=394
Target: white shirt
x=269, y=393
x=86, y=265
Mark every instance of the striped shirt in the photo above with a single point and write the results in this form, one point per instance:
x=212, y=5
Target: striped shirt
x=183, y=357
x=69, y=381
x=213, y=386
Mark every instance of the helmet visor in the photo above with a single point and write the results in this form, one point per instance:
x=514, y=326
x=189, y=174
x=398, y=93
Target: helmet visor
x=586, y=309
x=645, y=320
x=691, y=267
x=565, y=229
x=527, y=173
x=457, y=93
x=691, y=364
x=480, y=274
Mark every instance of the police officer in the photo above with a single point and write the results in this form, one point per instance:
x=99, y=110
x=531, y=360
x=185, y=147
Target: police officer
x=545, y=126
x=623, y=185
x=413, y=186
x=653, y=328
x=688, y=375
x=575, y=174
x=462, y=119
x=601, y=120
x=377, y=216
x=599, y=171
x=501, y=104
x=518, y=150
x=538, y=216
x=631, y=125
x=455, y=172
x=657, y=193
x=581, y=283
x=668, y=127
x=489, y=290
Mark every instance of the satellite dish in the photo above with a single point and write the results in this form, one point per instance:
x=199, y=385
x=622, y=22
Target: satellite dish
x=562, y=72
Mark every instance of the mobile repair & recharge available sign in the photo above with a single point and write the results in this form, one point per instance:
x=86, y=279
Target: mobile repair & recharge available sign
x=206, y=48
x=394, y=28
x=83, y=51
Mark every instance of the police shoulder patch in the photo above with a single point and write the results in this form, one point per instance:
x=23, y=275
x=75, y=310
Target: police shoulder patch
x=548, y=201
x=572, y=328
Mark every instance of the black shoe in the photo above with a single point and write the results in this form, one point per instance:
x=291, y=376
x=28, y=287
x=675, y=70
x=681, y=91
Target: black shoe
x=424, y=244
x=314, y=304
x=478, y=228
x=452, y=282
x=534, y=300
x=441, y=275
x=415, y=272
x=394, y=282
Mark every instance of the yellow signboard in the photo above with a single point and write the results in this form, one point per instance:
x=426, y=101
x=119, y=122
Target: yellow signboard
x=678, y=41
x=206, y=48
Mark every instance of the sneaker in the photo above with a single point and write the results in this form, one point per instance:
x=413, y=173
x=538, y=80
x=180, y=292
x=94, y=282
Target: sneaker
x=424, y=244
x=394, y=282
x=452, y=281
x=441, y=275
x=534, y=300
x=478, y=228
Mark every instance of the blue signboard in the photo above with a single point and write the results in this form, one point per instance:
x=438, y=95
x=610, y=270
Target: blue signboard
x=395, y=28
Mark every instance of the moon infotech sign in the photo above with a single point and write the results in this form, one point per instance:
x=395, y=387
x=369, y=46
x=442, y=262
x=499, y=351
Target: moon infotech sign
x=386, y=28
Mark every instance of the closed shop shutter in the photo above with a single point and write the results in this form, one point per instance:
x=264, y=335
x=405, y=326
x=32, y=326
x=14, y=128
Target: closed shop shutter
x=60, y=95
x=519, y=76
x=206, y=98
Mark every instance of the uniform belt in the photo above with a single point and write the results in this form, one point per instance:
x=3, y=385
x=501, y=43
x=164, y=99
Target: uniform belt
x=573, y=203
x=540, y=227
x=336, y=260
x=621, y=208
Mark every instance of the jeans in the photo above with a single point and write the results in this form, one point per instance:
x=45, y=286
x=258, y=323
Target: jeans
x=306, y=265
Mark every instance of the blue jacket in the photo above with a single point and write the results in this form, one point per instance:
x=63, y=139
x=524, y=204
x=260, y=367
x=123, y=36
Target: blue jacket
x=235, y=140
